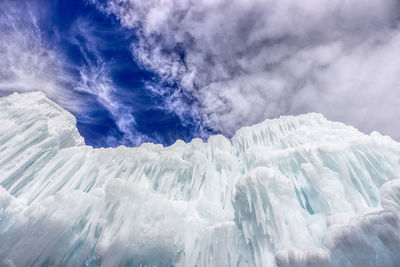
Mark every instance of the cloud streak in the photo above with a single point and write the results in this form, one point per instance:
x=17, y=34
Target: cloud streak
x=244, y=61
x=27, y=64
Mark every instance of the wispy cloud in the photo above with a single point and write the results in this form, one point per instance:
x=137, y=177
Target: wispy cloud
x=27, y=63
x=95, y=79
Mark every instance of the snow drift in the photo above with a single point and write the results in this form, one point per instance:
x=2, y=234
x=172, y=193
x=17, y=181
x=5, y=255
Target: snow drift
x=293, y=191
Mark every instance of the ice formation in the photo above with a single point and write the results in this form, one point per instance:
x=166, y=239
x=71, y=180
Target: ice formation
x=293, y=191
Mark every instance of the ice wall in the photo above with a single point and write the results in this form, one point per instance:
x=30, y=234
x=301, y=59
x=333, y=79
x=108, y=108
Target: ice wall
x=293, y=191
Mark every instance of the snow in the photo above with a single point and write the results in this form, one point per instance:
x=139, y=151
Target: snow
x=293, y=191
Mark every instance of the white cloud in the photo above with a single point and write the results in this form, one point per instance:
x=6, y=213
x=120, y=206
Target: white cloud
x=26, y=63
x=245, y=61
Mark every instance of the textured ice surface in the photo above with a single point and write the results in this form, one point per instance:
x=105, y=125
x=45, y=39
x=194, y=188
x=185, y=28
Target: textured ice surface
x=293, y=191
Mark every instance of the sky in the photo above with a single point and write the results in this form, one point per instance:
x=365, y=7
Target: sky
x=135, y=71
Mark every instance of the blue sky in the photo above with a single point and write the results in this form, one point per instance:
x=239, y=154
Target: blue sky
x=96, y=52
x=135, y=71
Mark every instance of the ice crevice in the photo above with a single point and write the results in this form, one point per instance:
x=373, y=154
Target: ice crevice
x=293, y=191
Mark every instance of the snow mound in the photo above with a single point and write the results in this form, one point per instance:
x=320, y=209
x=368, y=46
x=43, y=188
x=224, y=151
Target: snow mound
x=293, y=191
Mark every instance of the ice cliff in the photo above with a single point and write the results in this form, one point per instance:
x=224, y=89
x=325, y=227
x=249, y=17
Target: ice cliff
x=293, y=191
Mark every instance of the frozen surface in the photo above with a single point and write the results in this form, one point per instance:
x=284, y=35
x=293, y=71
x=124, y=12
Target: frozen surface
x=293, y=191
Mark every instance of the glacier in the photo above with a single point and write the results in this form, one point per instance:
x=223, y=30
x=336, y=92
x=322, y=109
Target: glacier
x=293, y=191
